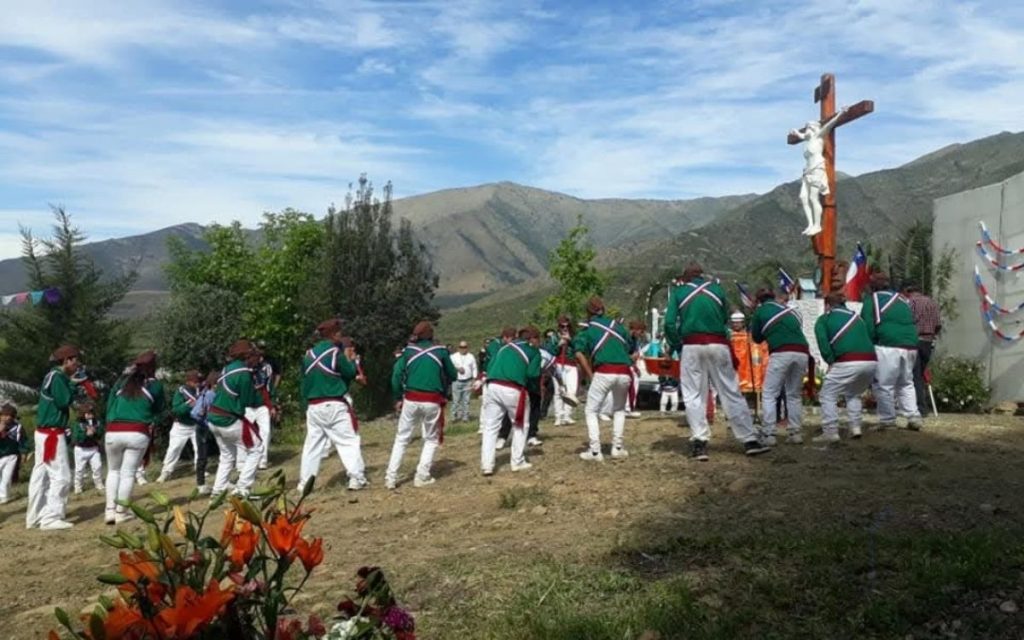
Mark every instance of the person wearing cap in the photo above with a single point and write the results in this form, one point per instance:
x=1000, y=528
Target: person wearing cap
x=789, y=355
x=237, y=437
x=419, y=380
x=566, y=374
x=890, y=323
x=462, y=387
x=328, y=371
x=134, y=405
x=13, y=445
x=602, y=351
x=845, y=344
x=87, y=436
x=50, y=482
x=695, y=323
x=510, y=372
x=183, y=430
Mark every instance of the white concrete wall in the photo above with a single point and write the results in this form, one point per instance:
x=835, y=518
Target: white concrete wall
x=1001, y=207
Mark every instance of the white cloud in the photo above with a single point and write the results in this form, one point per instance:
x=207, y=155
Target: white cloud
x=371, y=66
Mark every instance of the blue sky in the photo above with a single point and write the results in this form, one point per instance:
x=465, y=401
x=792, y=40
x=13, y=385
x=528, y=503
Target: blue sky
x=139, y=115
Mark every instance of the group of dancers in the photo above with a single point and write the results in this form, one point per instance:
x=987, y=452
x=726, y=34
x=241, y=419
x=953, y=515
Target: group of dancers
x=876, y=347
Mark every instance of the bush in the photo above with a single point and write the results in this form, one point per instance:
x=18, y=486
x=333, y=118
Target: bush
x=959, y=385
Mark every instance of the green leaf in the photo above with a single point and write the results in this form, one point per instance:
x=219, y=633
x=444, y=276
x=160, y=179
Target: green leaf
x=116, y=542
x=96, y=627
x=106, y=602
x=130, y=539
x=112, y=578
x=160, y=498
x=62, y=617
x=142, y=513
x=307, y=488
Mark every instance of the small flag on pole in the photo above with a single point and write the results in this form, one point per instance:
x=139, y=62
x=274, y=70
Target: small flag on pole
x=745, y=297
x=786, y=282
x=857, y=276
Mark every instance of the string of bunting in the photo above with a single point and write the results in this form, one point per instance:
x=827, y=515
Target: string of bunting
x=994, y=262
x=990, y=320
x=987, y=238
x=989, y=301
x=49, y=296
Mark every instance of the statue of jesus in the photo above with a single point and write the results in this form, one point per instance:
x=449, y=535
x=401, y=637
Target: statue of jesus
x=815, y=182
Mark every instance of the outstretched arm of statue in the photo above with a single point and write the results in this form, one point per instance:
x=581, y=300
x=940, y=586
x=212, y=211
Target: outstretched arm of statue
x=799, y=133
x=828, y=126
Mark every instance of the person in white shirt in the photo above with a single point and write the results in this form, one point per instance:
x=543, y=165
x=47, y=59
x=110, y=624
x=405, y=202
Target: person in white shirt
x=465, y=364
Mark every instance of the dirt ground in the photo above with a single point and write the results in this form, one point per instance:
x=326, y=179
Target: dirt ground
x=439, y=544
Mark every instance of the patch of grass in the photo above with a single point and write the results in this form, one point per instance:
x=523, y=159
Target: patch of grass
x=517, y=497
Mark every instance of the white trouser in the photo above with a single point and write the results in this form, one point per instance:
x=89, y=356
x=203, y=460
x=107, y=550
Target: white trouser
x=180, y=434
x=330, y=423
x=567, y=381
x=88, y=457
x=125, y=451
x=894, y=384
x=232, y=445
x=260, y=416
x=498, y=401
x=416, y=414
x=604, y=388
x=786, y=370
x=669, y=399
x=847, y=379
x=7, y=465
x=700, y=363
x=49, y=485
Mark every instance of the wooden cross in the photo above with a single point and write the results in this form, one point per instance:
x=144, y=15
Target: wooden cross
x=824, y=243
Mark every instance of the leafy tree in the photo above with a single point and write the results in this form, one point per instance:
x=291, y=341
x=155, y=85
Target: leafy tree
x=196, y=326
x=378, y=279
x=81, y=315
x=571, y=265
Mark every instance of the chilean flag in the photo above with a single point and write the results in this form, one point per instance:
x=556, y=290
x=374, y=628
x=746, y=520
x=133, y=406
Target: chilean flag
x=786, y=281
x=857, y=275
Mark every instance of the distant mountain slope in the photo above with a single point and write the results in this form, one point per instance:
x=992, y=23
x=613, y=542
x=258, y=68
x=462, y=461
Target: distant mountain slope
x=482, y=239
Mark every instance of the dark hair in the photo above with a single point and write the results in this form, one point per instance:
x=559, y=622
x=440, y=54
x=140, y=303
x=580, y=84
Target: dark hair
x=764, y=294
x=692, y=271
x=911, y=287
x=835, y=298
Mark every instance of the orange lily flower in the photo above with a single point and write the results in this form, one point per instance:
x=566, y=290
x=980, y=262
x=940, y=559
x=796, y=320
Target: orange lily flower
x=283, y=534
x=243, y=544
x=192, y=611
x=229, y=527
x=142, y=572
x=311, y=554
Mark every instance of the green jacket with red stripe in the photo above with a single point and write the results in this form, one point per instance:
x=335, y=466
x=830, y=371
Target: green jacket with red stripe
x=604, y=341
x=144, y=408
x=704, y=312
x=855, y=340
x=235, y=393
x=557, y=349
x=893, y=327
x=55, y=396
x=786, y=330
x=423, y=366
x=517, y=362
x=326, y=371
x=182, y=403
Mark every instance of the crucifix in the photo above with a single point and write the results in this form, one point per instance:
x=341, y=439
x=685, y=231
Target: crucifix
x=818, y=185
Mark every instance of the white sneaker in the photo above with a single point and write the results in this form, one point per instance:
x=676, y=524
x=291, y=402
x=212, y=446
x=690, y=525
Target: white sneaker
x=141, y=480
x=110, y=517
x=487, y=472
x=500, y=444
x=558, y=422
x=522, y=466
x=795, y=438
x=605, y=417
x=203, y=490
x=356, y=484
x=826, y=438
x=771, y=441
x=56, y=525
x=390, y=484
x=534, y=442
x=417, y=481
x=161, y=478
x=568, y=421
x=619, y=452
x=855, y=431
x=101, y=488
x=592, y=456
x=634, y=414
x=121, y=518
x=263, y=466
x=78, y=490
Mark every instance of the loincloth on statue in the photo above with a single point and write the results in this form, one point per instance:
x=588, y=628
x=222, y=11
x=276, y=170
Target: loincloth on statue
x=816, y=177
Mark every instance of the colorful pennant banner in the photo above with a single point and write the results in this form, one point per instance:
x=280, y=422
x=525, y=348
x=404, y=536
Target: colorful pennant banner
x=49, y=296
x=996, y=264
x=987, y=238
x=983, y=290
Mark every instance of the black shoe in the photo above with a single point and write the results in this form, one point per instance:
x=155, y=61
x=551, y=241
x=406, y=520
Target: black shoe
x=755, y=448
x=699, y=450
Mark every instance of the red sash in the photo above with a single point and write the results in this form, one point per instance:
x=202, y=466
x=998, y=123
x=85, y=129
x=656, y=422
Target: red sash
x=53, y=435
x=250, y=432
x=434, y=398
x=705, y=338
x=792, y=348
x=520, y=405
x=344, y=401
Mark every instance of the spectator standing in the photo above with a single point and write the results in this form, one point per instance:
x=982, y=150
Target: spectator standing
x=928, y=319
x=465, y=365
